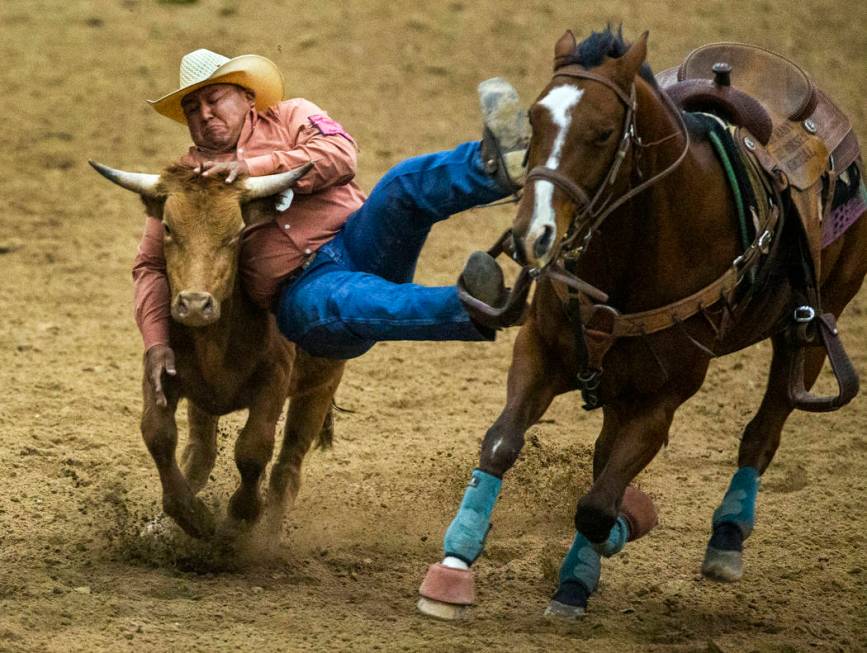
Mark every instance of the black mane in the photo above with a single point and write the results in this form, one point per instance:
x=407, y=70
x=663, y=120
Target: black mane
x=609, y=43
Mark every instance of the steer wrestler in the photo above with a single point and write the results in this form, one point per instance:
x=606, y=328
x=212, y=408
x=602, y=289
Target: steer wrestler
x=334, y=266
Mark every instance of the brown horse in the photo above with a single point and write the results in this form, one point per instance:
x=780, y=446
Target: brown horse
x=229, y=353
x=630, y=196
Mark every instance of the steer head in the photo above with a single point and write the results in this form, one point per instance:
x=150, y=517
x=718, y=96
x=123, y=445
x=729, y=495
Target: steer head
x=202, y=218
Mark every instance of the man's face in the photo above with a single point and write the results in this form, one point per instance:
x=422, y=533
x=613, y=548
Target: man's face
x=215, y=115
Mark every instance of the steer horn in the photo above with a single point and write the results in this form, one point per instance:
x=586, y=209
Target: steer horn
x=269, y=185
x=138, y=182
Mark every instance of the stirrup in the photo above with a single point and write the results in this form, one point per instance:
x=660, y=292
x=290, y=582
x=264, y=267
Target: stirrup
x=828, y=336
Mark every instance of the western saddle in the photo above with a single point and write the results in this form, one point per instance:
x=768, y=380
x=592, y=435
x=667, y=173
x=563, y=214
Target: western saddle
x=801, y=141
x=794, y=131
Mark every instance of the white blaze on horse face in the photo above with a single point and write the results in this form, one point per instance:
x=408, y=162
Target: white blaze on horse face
x=560, y=101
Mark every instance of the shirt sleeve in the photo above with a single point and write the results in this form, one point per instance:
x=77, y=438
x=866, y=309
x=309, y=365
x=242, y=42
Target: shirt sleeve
x=332, y=150
x=151, y=286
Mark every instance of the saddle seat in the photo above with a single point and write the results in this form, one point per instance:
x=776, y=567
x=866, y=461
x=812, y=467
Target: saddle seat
x=804, y=134
x=782, y=87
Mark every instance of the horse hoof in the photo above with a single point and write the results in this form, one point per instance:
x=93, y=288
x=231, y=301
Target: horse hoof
x=446, y=593
x=561, y=611
x=639, y=511
x=726, y=566
x=440, y=610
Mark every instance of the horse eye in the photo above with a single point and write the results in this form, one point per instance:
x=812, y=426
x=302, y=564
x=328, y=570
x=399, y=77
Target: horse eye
x=604, y=136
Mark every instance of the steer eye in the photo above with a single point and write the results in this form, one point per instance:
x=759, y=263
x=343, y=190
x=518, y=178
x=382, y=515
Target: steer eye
x=167, y=229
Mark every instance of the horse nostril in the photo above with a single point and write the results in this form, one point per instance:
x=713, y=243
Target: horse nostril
x=543, y=242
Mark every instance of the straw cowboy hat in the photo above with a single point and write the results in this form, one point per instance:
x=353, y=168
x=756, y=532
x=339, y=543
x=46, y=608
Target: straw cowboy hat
x=203, y=67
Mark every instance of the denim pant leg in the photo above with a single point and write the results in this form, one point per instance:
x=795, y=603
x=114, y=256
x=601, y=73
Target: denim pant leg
x=385, y=236
x=356, y=292
x=338, y=313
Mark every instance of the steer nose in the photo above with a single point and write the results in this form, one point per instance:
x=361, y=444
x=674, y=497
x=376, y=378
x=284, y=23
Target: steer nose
x=195, y=309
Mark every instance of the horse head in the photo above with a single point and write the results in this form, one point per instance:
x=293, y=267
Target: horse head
x=581, y=130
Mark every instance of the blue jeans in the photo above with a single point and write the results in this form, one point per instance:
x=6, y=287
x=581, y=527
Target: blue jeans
x=357, y=291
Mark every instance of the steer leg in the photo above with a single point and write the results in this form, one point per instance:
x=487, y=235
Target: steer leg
x=200, y=452
x=309, y=416
x=160, y=434
x=253, y=451
x=535, y=377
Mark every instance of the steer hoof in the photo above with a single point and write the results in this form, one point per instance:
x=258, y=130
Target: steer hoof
x=190, y=514
x=446, y=593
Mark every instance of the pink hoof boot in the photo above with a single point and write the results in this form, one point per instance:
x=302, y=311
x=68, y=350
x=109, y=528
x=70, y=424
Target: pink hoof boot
x=445, y=592
x=639, y=511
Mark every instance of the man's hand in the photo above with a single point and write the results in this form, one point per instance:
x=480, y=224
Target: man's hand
x=232, y=169
x=159, y=359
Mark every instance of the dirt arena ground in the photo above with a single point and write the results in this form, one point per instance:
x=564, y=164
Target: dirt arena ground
x=78, y=483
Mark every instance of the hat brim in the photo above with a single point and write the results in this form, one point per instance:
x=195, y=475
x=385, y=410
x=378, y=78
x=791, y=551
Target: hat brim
x=251, y=71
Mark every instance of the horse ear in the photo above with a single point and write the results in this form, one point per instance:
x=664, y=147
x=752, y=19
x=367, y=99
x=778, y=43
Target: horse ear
x=565, y=47
x=629, y=64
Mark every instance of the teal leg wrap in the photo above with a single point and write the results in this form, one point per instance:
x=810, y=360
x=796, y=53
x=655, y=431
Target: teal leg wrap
x=739, y=504
x=465, y=537
x=616, y=539
x=582, y=564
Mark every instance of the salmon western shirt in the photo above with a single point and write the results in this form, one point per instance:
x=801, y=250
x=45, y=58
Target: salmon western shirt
x=283, y=137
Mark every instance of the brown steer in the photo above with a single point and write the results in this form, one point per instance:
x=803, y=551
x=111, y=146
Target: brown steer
x=229, y=353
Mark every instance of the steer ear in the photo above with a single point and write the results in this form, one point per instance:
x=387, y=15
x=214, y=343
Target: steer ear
x=138, y=182
x=268, y=185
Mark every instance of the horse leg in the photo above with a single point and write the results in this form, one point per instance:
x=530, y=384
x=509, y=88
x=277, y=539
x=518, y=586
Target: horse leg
x=534, y=379
x=160, y=435
x=633, y=432
x=734, y=519
x=581, y=568
x=253, y=451
x=309, y=416
x=200, y=452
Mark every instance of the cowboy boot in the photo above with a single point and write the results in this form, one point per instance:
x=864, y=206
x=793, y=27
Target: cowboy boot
x=484, y=295
x=506, y=133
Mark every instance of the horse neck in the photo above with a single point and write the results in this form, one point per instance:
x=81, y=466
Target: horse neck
x=676, y=236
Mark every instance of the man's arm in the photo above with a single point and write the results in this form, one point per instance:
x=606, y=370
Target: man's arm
x=152, y=305
x=317, y=138
x=151, y=287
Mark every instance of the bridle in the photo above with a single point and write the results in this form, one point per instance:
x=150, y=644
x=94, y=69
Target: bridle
x=589, y=212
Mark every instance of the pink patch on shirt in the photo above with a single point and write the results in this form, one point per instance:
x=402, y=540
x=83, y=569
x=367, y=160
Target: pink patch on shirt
x=328, y=126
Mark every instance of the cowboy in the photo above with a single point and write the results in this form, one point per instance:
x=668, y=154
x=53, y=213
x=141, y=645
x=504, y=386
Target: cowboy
x=334, y=265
